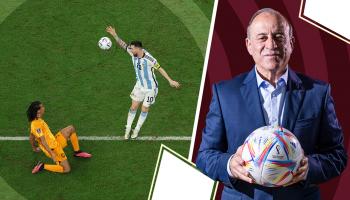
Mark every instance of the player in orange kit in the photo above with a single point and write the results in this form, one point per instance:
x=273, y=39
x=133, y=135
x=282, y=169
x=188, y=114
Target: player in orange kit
x=51, y=145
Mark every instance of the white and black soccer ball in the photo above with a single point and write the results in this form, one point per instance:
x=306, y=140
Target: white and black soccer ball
x=105, y=43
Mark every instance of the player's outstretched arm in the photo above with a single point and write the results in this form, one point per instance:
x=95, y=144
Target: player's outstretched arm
x=172, y=83
x=120, y=42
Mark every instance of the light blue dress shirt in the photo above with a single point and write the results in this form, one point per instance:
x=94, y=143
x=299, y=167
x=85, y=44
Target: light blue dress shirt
x=272, y=101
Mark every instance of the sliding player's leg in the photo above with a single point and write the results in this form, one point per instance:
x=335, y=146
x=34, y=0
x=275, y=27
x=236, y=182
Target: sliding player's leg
x=61, y=166
x=69, y=133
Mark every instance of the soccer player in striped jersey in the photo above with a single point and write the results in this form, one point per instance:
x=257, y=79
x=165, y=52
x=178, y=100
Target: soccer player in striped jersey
x=146, y=87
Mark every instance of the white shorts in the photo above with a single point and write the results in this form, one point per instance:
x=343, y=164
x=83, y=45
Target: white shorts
x=147, y=96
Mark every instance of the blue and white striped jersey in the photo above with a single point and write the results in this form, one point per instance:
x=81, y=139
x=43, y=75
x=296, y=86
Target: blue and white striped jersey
x=144, y=69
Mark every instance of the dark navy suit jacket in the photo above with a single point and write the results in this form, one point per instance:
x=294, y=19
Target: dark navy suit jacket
x=236, y=111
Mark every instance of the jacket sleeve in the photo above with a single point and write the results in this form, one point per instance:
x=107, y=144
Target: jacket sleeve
x=331, y=158
x=212, y=156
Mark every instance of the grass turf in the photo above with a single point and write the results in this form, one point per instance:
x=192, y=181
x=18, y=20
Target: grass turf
x=117, y=170
x=49, y=52
x=206, y=6
x=52, y=55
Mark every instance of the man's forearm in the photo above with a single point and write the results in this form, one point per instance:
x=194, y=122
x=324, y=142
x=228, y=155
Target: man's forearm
x=164, y=74
x=120, y=42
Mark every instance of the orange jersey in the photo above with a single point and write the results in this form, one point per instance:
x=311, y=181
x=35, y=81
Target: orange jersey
x=39, y=128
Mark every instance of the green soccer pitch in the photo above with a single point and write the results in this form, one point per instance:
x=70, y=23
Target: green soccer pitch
x=49, y=52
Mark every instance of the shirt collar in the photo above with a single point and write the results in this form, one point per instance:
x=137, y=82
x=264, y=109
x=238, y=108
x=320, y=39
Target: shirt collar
x=262, y=83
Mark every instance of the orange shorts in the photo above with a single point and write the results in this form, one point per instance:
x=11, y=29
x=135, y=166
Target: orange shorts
x=61, y=139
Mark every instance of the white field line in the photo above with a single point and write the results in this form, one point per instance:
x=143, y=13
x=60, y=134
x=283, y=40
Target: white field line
x=108, y=138
x=204, y=74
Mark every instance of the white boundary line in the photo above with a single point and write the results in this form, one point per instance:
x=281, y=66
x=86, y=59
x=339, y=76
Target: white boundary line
x=183, y=159
x=321, y=26
x=108, y=138
x=199, y=102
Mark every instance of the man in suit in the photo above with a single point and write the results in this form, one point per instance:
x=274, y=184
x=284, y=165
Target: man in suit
x=271, y=94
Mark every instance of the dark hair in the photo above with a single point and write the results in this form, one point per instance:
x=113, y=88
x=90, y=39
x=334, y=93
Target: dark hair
x=272, y=12
x=136, y=43
x=33, y=110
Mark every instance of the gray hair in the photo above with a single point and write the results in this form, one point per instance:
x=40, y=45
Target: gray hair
x=272, y=12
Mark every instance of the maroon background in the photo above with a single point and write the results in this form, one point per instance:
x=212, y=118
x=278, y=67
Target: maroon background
x=316, y=54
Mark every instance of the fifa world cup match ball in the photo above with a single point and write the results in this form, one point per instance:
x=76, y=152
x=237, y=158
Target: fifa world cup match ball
x=271, y=155
x=105, y=43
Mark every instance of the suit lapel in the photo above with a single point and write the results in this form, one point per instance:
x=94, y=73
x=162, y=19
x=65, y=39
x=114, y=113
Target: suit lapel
x=250, y=94
x=294, y=98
